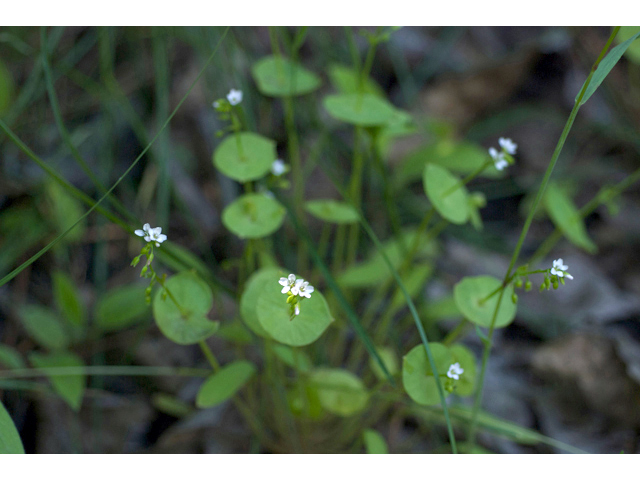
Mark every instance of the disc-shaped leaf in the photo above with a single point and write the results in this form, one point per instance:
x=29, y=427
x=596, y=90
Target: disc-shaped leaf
x=187, y=324
x=121, y=307
x=417, y=375
x=44, y=327
x=471, y=296
x=254, y=287
x=280, y=77
x=390, y=360
x=69, y=387
x=67, y=299
x=332, y=211
x=447, y=195
x=245, y=156
x=365, y=110
x=223, y=384
x=274, y=315
x=465, y=385
x=374, y=442
x=340, y=391
x=565, y=217
x=10, y=442
x=253, y=215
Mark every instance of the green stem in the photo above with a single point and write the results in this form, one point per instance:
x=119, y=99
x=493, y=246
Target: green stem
x=355, y=192
x=556, y=154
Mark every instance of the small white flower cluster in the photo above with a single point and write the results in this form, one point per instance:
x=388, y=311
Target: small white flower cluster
x=234, y=97
x=278, y=167
x=455, y=370
x=508, y=148
x=559, y=269
x=295, y=288
x=151, y=234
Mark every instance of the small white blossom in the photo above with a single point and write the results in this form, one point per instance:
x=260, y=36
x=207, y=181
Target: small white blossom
x=288, y=283
x=498, y=159
x=302, y=288
x=216, y=104
x=508, y=145
x=297, y=309
x=278, y=167
x=559, y=269
x=151, y=234
x=234, y=96
x=455, y=371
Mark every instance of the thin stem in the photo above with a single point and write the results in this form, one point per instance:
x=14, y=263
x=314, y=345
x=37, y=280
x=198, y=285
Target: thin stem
x=468, y=178
x=556, y=154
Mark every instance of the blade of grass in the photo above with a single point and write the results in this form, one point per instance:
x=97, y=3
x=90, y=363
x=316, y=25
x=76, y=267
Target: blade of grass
x=64, y=133
x=410, y=304
x=16, y=271
x=525, y=229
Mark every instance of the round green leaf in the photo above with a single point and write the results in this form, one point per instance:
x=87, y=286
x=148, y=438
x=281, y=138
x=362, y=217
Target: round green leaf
x=254, y=287
x=253, y=215
x=121, y=307
x=274, y=316
x=390, y=361
x=44, y=327
x=374, y=442
x=223, y=384
x=470, y=295
x=245, y=156
x=465, y=385
x=365, y=110
x=332, y=211
x=69, y=387
x=417, y=375
x=339, y=391
x=195, y=298
x=10, y=442
x=280, y=77
x=446, y=194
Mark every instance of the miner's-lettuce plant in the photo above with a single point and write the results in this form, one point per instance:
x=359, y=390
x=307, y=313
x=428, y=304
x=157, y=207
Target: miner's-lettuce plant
x=326, y=340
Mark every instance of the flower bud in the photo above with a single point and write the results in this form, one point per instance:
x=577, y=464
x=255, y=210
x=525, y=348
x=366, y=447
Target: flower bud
x=518, y=283
x=514, y=298
x=527, y=286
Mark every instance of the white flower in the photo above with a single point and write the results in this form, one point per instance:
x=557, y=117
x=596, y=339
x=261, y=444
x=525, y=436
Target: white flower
x=151, y=234
x=234, y=96
x=508, y=145
x=559, y=269
x=302, y=288
x=288, y=283
x=216, y=104
x=297, y=309
x=278, y=167
x=455, y=371
x=498, y=159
